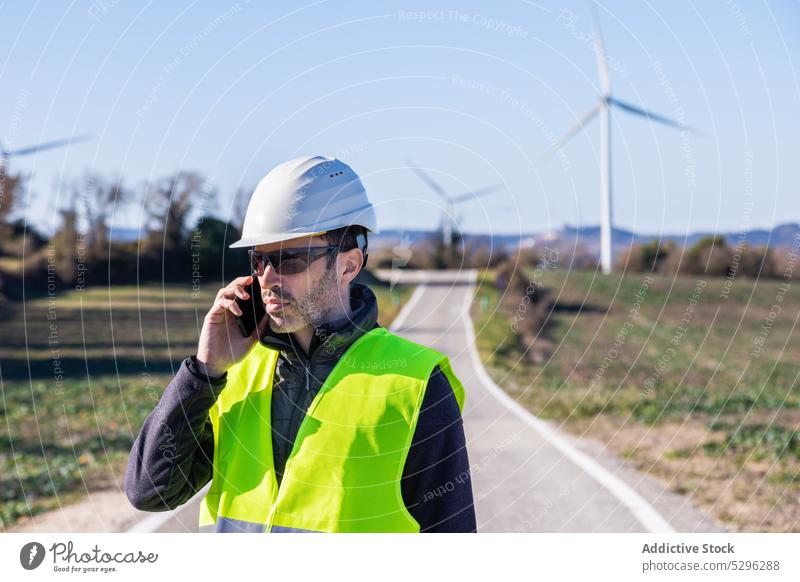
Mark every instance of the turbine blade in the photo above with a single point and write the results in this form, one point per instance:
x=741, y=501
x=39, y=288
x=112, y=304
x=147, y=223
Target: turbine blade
x=651, y=116
x=428, y=180
x=600, y=52
x=570, y=133
x=476, y=193
x=47, y=146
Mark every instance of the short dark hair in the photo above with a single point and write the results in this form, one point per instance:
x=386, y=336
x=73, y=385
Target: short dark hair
x=346, y=238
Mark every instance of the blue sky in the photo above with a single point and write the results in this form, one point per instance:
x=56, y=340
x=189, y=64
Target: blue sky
x=474, y=92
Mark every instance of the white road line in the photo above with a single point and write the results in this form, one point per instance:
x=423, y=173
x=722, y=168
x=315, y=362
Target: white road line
x=401, y=317
x=647, y=515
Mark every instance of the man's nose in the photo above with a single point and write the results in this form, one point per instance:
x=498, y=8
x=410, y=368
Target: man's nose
x=269, y=278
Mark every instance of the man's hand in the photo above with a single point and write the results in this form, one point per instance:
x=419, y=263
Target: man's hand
x=221, y=343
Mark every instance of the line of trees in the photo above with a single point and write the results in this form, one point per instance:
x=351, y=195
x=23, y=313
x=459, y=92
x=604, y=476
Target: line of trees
x=181, y=241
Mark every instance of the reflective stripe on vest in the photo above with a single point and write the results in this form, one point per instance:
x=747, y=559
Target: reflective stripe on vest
x=344, y=471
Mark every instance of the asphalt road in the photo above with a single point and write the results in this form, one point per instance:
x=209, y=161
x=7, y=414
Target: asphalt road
x=527, y=475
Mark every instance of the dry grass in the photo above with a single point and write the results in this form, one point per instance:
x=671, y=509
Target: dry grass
x=714, y=421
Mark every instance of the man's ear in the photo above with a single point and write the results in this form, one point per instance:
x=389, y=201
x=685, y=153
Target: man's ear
x=353, y=259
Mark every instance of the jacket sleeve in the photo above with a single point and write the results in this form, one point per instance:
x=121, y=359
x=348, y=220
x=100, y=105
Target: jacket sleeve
x=436, y=483
x=172, y=457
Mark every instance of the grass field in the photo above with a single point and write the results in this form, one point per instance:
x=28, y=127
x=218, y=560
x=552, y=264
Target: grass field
x=693, y=380
x=79, y=374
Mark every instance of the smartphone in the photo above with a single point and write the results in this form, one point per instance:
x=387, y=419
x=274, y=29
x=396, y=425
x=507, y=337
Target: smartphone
x=252, y=308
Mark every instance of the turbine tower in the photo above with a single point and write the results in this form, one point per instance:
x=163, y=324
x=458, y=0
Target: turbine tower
x=448, y=219
x=603, y=109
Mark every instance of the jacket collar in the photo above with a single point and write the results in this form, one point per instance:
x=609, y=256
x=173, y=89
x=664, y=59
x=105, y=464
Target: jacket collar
x=331, y=339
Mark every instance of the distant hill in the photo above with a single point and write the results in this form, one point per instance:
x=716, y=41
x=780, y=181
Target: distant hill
x=588, y=237
x=395, y=237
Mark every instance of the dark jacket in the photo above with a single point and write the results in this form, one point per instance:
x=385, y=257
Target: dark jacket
x=171, y=458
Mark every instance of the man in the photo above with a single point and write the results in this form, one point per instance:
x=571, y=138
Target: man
x=320, y=420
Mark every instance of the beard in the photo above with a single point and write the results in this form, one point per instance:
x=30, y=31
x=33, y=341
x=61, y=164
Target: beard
x=312, y=310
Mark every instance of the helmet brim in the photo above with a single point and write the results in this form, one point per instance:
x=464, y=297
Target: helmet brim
x=271, y=238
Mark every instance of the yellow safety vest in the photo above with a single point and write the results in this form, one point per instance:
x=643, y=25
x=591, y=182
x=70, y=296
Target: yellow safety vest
x=344, y=471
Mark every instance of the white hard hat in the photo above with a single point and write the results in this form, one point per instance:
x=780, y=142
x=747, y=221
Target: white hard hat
x=303, y=197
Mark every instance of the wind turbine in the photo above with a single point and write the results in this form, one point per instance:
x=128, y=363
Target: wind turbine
x=603, y=109
x=6, y=154
x=448, y=221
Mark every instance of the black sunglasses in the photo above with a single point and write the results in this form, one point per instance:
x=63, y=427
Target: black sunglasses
x=288, y=261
